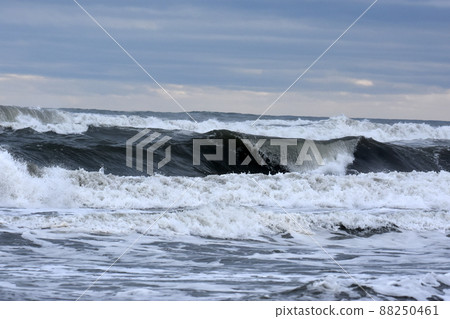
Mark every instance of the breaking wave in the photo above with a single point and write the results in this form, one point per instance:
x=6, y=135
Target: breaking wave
x=20, y=186
x=105, y=148
x=79, y=121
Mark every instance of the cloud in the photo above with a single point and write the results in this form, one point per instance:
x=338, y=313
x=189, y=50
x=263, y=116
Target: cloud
x=339, y=82
x=30, y=90
x=432, y=3
x=23, y=77
x=41, y=14
x=248, y=71
x=362, y=82
x=130, y=24
x=228, y=55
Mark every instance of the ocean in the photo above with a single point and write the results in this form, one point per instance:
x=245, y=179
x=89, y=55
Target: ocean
x=371, y=223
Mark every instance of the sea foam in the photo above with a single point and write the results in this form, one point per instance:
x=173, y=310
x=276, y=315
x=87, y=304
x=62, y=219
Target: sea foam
x=58, y=187
x=65, y=122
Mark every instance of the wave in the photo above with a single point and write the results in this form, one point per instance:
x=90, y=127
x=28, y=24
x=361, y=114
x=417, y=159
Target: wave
x=62, y=188
x=79, y=121
x=421, y=286
x=105, y=148
x=227, y=221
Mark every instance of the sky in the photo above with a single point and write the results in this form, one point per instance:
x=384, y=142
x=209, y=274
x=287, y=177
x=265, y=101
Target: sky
x=230, y=56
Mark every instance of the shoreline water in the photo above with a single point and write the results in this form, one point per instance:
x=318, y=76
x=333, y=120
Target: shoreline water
x=69, y=207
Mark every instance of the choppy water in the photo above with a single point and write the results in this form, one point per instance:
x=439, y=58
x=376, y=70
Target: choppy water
x=69, y=206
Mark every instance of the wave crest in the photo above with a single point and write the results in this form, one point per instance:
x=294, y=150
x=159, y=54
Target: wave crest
x=77, y=122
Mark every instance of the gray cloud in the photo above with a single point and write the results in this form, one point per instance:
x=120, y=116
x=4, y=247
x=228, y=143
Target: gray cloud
x=400, y=47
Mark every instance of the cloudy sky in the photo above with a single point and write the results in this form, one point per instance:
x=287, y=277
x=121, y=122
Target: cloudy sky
x=230, y=56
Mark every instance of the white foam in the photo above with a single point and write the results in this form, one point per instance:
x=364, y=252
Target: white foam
x=63, y=122
x=227, y=205
x=64, y=188
x=19, y=188
x=219, y=221
x=418, y=287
